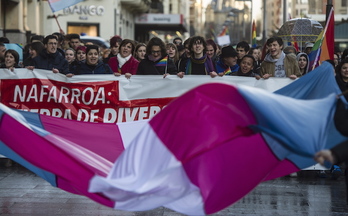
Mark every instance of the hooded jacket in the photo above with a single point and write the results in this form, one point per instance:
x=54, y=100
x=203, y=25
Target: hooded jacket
x=306, y=56
x=290, y=66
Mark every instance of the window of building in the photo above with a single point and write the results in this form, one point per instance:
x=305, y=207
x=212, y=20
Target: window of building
x=344, y=3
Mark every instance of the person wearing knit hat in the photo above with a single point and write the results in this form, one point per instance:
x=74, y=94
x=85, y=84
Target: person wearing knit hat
x=81, y=53
x=227, y=64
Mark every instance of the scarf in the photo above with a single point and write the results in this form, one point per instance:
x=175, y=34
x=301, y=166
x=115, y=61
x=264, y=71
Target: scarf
x=122, y=61
x=203, y=60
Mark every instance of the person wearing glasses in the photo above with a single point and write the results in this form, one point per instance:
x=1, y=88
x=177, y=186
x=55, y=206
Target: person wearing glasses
x=156, y=60
x=50, y=58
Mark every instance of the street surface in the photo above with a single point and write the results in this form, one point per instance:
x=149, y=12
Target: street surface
x=24, y=193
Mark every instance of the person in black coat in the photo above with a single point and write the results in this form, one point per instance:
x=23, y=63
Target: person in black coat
x=50, y=58
x=156, y=60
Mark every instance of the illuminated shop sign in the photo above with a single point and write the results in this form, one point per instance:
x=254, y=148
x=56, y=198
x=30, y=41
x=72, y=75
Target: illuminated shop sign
x=91, y=10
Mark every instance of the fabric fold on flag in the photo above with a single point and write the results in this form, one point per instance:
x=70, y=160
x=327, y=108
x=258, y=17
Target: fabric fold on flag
x=195, y=161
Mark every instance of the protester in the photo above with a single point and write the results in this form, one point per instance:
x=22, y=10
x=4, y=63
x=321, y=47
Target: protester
x=336, y=59
x=34, y=49
x=124, y=62
x=11, y=60
x=50, y=58
x=303, y=63
x=308, y=47
x=277, y=63
x=70, y=55
x=74, y=41
x=246, y=67
x=92, y=64
x=172, y=52
x=342, y=75
x=242, y=49
x=212, y=50
x=140, y=51
x=184, y=57
x=256, y=53
x=227, y=64
x=2, y=52
x=198, y=63
x=177, y=41
x=115, y=42
x=156, y=61
x=81, y=53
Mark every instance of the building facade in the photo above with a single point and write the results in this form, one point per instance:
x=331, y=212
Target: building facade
x=132, y=19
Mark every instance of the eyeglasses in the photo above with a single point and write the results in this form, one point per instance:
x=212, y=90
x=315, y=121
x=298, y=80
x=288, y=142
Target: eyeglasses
x=155, y=51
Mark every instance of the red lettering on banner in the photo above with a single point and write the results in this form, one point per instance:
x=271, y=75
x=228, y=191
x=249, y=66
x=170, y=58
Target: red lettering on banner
x=87, y=101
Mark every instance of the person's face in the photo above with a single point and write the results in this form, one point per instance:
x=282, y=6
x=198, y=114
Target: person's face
x=187, y=50
x=92, y=57
x=126, y=50
x=241, y=52
x=106, y=53
x=156, y=51
x=171, y=52
x=2, y=52
x=230, y=61
x=69, y=56
x=336, y=59
x=275, y=49
x=9, y=60
x=80, y=55
x=51, y=46
x=177, y=42
x=344, y=71
x=302, y=62
x=141, y=52
x=246, y=65
x=32, y=53
x=210, y=51
x=198, y=48
x=74, y=43
x=256, y=54
x=308, y=50
x=115, y=48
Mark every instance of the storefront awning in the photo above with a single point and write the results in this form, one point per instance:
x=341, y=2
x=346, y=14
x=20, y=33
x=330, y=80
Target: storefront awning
x=164, y=22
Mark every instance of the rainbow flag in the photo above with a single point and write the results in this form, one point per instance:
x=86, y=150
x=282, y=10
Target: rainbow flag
x=224, y=31
x=254, y=35
x=163, y=62
x=323, y=48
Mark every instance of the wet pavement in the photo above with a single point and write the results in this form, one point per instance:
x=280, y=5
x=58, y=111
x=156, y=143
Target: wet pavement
x=24, y=193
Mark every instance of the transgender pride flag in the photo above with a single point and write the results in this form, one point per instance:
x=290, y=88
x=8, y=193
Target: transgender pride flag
x=197, y=156
x=57, y=5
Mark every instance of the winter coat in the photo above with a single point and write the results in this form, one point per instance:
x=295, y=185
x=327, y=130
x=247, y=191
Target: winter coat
x=48, y=61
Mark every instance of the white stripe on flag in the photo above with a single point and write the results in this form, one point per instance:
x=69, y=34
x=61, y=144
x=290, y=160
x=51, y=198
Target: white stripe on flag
x=148, y=176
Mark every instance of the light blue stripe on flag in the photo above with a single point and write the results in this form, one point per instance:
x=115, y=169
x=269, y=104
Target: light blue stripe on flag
x=57, y=5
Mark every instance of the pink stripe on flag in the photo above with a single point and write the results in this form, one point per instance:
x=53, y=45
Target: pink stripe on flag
x=48, y=156
x=209, y=134
x=102, y=139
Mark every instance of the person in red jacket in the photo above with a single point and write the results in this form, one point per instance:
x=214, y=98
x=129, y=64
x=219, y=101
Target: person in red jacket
x=124, y=62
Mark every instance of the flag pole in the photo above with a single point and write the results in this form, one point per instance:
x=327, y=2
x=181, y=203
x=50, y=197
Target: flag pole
x=60, y=28
x=329, y=5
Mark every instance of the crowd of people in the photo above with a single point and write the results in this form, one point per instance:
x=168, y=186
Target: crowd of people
x=69, y=55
